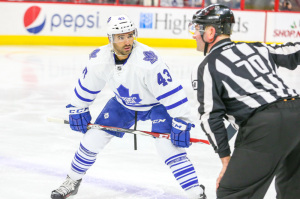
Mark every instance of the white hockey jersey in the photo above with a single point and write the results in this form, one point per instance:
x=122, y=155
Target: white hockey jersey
x=139, y=84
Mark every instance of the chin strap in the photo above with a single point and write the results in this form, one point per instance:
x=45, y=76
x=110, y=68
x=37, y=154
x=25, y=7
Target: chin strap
x=205, y=47
x=118, y=54
x=206, y=43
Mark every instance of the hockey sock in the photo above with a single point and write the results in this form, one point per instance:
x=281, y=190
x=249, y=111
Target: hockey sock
x=184, y=172
x=93, y=142
x=82, y=161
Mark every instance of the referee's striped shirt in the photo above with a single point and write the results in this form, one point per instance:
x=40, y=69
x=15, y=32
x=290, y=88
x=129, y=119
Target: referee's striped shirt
x=235, y=79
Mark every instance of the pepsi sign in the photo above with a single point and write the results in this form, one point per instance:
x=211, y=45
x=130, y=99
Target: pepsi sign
x=34, y=21
x=37, y=19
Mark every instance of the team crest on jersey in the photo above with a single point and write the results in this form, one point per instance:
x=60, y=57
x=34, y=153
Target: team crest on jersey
x=150, y=56
x=124, y=95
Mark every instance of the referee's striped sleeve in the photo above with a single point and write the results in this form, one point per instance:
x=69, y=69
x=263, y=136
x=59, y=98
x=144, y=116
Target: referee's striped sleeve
x=285, y=55
x=212, y=112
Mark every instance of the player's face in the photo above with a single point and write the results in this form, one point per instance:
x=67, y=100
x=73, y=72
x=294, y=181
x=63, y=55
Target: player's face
x=122, y=43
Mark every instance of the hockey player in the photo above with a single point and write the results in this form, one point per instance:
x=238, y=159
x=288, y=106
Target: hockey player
x=239, y=82
x=144, y=90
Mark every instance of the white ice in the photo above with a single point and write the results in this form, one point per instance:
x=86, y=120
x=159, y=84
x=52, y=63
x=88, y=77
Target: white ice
x=35, y=83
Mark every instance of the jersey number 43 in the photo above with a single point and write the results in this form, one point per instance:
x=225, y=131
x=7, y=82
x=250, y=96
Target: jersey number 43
x=164, y=78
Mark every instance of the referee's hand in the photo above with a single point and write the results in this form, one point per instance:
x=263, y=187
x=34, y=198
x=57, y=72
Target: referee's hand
x=225, y=162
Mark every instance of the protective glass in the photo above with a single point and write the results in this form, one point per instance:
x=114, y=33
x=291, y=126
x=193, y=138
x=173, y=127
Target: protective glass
x=119, y=38
x=193, y=28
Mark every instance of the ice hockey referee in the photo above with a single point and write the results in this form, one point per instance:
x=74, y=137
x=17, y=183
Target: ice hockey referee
x=239, y=82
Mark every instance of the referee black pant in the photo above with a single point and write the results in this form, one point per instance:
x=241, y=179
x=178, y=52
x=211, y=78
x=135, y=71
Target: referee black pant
x=267, y=146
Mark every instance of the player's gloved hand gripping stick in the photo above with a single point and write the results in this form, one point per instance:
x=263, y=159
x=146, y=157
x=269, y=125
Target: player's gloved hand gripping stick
x=79, y=118
x=180, y=133
x=123, y=130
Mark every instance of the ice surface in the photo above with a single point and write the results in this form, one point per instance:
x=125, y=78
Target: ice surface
x=35, y=82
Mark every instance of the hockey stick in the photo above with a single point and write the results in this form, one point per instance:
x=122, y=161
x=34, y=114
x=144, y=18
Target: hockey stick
x=123, y=130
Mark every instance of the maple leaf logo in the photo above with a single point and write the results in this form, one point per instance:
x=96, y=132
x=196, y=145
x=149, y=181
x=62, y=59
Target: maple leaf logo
x=150, y=56
x=124, y=95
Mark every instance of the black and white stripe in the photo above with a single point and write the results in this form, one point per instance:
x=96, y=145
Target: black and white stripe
x=237, y=78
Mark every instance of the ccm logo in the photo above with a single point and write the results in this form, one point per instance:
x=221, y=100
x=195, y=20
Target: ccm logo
x=176, y=126
x=79, y=110
x=158, y=121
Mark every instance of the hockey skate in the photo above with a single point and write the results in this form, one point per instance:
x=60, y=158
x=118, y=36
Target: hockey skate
x=67, y=189
x=202, y=196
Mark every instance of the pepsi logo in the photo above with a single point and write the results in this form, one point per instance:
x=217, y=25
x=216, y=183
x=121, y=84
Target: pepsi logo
x=34, y=21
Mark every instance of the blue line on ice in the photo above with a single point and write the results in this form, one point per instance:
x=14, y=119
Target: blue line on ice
x=109, y=184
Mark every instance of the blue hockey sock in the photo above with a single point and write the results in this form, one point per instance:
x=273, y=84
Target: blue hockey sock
x=82, y=161
x=183, y=170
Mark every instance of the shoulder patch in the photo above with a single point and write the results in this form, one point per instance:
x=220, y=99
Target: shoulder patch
x=94, y=53
x=150, y=56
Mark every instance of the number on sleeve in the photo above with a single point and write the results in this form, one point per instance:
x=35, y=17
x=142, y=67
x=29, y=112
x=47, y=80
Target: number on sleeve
x=168, y=74
x=162, y=80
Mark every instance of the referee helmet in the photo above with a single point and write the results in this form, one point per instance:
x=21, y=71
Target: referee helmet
x=216, y=15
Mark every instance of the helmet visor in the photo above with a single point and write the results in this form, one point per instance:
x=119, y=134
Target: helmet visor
x=193, y=28
x=119, y=38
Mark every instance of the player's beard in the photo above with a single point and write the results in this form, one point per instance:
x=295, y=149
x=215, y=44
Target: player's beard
x=123, y=51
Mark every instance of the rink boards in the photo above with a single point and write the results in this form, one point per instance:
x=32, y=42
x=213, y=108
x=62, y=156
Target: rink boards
x=83, y=24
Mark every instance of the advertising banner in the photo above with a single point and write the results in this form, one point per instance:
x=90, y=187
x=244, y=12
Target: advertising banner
x=283, y=27
x=74, y=20
x=249, y=26
x=90, y=20
x=50, y=19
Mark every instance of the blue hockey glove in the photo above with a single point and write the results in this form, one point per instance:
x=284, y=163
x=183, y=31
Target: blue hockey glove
x=79, y=118
x=180, y=133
